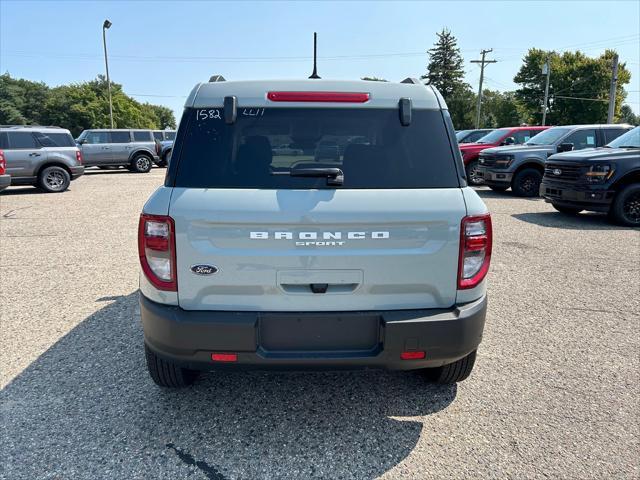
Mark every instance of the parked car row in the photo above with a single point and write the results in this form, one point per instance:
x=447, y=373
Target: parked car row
x=521, y=167
x=49, y=157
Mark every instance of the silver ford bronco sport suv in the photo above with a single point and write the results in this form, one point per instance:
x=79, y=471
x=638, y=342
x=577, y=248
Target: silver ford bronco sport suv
x=254, y=256
x=45, y=157
x=136, y=149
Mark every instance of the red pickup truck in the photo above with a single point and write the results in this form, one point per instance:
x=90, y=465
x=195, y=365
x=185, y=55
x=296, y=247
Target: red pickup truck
x=501, y=136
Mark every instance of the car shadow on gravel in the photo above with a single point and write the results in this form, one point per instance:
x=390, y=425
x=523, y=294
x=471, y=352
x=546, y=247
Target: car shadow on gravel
x=26, y=190
x=87, y=408
x=582, y=221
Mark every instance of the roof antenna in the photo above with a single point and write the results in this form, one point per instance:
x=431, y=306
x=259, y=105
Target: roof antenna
x=315, y=56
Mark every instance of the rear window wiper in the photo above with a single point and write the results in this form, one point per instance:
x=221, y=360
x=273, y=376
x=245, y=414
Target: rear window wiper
x=334, y=175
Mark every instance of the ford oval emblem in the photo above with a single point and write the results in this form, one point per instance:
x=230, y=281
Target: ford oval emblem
x=204, y=269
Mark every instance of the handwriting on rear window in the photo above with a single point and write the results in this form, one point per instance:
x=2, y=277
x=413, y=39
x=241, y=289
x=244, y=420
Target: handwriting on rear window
x=253, y=112
x=209, y=114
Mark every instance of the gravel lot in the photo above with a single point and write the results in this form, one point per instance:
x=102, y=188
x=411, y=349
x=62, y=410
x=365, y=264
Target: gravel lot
x=555, y=392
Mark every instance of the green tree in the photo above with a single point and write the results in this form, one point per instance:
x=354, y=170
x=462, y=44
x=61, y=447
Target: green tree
x=578, y=87
x=21, y=101
x=461, y=107
x=500, y=109
x=445, y=72
x=76, y=106
x=627, y=116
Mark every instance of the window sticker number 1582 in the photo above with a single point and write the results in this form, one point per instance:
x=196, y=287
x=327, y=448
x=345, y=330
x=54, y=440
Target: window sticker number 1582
x=209, y=114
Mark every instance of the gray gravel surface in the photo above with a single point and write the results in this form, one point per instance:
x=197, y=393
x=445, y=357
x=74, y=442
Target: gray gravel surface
x=554, y=394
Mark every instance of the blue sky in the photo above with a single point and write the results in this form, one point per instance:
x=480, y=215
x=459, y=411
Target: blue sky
x=159, y=50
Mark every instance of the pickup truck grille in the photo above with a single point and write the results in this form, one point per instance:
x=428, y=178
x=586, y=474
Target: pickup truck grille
x=488, y=160
x=563, y=172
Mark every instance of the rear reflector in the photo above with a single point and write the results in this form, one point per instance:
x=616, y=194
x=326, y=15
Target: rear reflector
x=224, y=357
x=412, y=355
x=331, y=97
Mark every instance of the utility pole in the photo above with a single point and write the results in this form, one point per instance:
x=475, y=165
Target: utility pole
x=482, y=64
x=105, y=26
x=612, y=91
x=546, y=69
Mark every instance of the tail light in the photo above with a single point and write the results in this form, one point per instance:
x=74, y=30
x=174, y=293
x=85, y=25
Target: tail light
x=157, y=250
x=476, y=238
x=79, y=156
x=3, y=163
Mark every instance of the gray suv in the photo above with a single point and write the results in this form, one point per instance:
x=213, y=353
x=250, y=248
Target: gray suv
x=522, y=167
x=46, y=157
x=374, y=256
x=135, y=149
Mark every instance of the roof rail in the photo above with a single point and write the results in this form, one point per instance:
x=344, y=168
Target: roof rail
x=216, y=78
x=411, y=80
x=29, y=126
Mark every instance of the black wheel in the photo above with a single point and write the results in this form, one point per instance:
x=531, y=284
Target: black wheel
x=54, y=179
x=526, y=183
x=567, y=210
x=167, y=374
x=141, y=163
x=453, y=372
x=625, y=208
x=498, y=188
x=472, y=174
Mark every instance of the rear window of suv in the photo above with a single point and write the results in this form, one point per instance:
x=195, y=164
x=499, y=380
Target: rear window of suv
x=370, y=146
x=48, y=139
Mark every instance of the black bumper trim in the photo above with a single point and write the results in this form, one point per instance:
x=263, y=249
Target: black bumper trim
x=595, y=199
x=5, y=181
x=189, y=337
x=76, y=172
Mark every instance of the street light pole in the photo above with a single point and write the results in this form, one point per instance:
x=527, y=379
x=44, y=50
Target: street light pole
x=105, y=26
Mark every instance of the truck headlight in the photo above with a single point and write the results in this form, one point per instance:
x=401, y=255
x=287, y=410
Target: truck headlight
x=503, y=161
x=599, y=173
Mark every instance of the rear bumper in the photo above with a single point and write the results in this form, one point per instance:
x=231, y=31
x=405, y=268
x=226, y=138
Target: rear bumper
x=76, y=171
x=495, y=177
x=592, y=198
x=5, y=181
x=190, y=337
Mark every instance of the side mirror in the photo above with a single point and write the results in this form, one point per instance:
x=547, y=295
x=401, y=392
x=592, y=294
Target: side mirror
x=565, y=147
x=509, y=141
x=80, y=141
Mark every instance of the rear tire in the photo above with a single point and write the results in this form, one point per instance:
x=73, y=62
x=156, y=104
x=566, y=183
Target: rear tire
x=567, y=210
x=453, y=372
x=497, y=188
x=472, y=174
x=625, y=208
x=141, y=163
x=167, y=374
x=526, y=183
x=54, y=179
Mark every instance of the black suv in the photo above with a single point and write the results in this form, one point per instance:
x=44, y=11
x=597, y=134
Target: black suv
x=600, y=179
